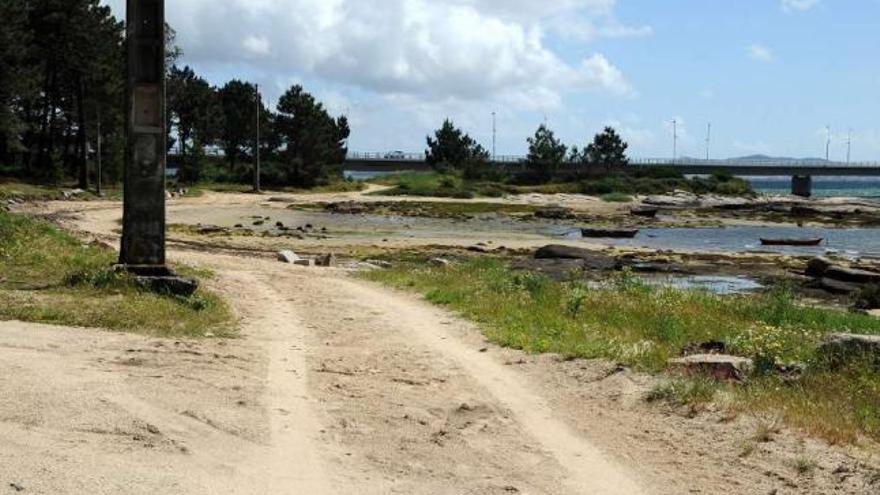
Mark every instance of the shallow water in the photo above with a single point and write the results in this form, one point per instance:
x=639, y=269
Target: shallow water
x=491, y=227
x=851, y=242
x=718, y=284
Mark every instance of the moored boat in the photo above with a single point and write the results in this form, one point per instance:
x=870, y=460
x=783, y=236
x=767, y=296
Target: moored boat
x=609, y=233
x=792, y=242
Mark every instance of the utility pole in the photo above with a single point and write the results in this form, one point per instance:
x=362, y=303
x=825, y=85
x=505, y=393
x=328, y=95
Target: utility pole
x=143, y=224
x=98, y=156
x=257, y=143
x=674, y=140
x=828, y=143
x=708, y=139
x=849, y=146
x=494, y=136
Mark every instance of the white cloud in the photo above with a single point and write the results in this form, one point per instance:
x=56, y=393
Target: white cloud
x=257, y=45
x=760, y=53
x=467, y=49
x=790, y=6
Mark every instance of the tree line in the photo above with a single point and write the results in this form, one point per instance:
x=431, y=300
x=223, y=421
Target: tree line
x=62, y=91
x=452, y=150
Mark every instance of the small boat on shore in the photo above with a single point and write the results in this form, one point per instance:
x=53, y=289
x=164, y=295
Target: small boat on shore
x=792, y=242
x=609, y=233
x=645, y=211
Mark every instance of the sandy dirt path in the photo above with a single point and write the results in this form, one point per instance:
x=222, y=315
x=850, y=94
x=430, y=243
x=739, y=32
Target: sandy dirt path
x=338, y=386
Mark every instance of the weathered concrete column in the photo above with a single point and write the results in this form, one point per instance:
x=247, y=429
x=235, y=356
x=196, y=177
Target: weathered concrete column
x=802, y=185
x=143, y=229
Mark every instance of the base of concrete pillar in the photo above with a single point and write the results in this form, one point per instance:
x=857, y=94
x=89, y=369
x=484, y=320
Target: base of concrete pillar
x=802, y=185
x=160, y=279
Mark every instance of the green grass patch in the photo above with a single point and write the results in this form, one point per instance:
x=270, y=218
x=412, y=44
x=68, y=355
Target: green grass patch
x=229, y=187
x=643, y=327
x=48, y=276
x=616, y=198
x=433, y=184
x=26, y=191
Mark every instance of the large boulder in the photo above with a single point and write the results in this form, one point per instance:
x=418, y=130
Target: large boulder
x=852, y=275
x=288, y=257
x=561, y=252
x=719, y=366
x=817, y=267
x=327, y=260
x=840, y=349
x=838, y=286
x=590, y=259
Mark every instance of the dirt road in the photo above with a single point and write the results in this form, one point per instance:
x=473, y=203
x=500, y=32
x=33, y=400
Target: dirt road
x=335, y=387
x=338, y=386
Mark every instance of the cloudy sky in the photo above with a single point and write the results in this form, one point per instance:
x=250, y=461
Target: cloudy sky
x=768, y=74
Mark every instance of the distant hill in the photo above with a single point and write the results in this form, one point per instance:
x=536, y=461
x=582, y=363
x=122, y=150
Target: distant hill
x=764, y=158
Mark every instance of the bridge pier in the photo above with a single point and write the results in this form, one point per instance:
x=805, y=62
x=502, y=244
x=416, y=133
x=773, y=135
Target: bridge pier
x=802, y=185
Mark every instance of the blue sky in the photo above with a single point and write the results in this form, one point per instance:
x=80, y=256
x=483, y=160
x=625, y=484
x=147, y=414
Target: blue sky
x=768, y=74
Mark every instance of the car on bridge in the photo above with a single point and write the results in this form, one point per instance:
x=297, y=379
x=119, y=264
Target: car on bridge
x=395, y=155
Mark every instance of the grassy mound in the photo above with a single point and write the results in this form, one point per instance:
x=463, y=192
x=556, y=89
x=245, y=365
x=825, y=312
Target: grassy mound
x=48, y=276
x=613, y=187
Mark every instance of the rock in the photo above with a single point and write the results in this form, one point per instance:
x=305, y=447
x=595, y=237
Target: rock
x=555, y=213
x=304, y=262
x=380, y=263
x=852, y=275
x=287, y=257
x=560, y=252
x=817, y=267
x=804, y=211
x=280, y=225
x=442, y=262
x=720, y=366
x=349, y=207
x=840, y=349
x=212, y=229
x=327, y=260
x=838, y=287
x=170, y=285
x=592, y=260
x=478, y=249
x=259, y=222
x=239, y=226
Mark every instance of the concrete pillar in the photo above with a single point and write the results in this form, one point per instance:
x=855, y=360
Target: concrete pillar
x=802, y=185
x=143, y=229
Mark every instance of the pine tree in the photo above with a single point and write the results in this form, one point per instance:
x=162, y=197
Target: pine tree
x=315, y=141
x=546, y=154
x=608, y=150
x=452, y=149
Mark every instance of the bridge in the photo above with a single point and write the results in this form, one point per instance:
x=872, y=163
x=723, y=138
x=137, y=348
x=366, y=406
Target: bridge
x=801, y=171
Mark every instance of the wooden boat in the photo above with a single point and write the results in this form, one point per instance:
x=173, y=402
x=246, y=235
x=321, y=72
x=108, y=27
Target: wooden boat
x=645, y=211
x=792, y=242
x=609, y=233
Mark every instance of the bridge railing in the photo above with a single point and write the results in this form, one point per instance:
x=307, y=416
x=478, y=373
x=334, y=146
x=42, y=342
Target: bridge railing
x=399, y=156
x=638, y=162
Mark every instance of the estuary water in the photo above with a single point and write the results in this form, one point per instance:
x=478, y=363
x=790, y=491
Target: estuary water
x=738, y=239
